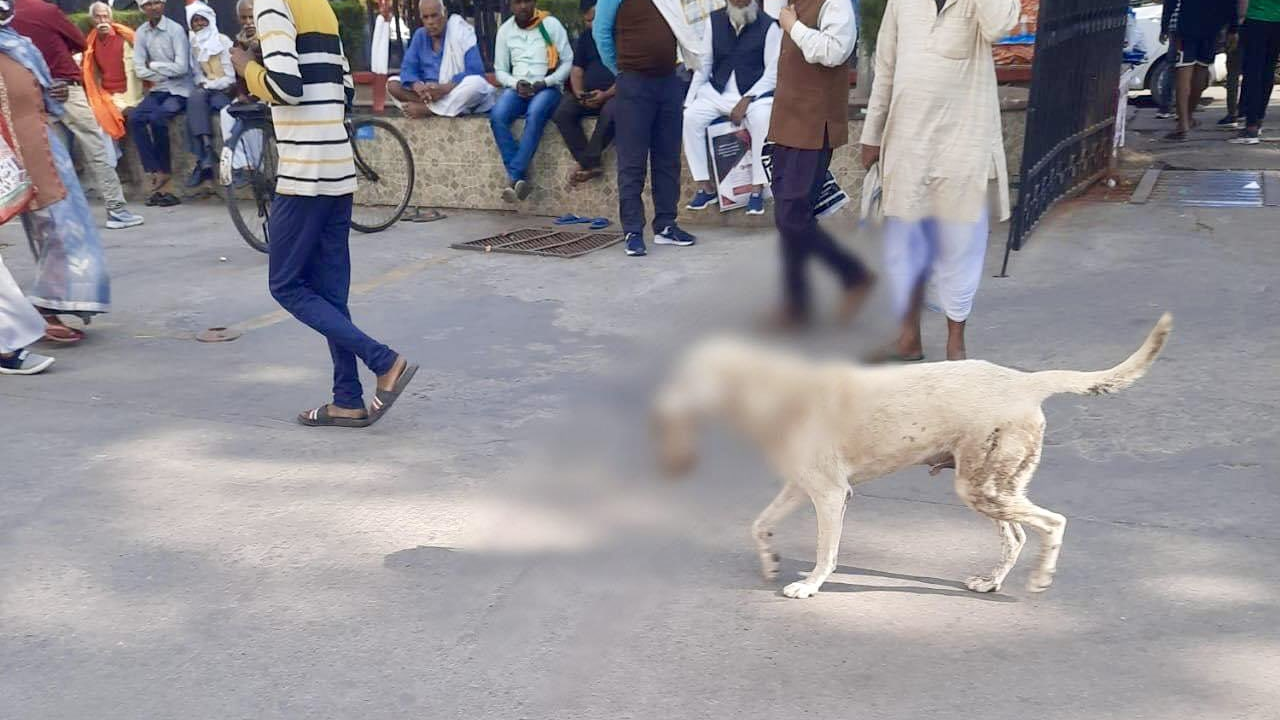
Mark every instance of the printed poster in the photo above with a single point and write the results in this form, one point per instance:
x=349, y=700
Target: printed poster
x=730, y=153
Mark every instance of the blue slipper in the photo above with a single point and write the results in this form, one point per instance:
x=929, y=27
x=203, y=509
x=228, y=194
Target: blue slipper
x=600, y=223
x=570, y=219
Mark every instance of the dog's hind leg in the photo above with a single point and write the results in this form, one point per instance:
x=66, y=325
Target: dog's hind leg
x=829, y=503
x=1012, y=538
x=1052, y=527
x=787, y=500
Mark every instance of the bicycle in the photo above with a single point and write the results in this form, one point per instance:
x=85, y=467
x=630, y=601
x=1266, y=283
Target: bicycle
x=384, y=173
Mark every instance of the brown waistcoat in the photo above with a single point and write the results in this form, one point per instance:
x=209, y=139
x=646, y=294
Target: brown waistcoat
x=811, y=100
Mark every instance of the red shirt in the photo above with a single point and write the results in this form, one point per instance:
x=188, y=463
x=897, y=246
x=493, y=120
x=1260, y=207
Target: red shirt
x=108, y=55
x=53, y=34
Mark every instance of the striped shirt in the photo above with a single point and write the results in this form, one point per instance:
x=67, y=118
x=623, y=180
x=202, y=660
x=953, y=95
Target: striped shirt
x=308, y=83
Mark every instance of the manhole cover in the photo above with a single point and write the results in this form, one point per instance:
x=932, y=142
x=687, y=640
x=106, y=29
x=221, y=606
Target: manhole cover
x=217, y=334
x=543, y=241
x=1203, y=188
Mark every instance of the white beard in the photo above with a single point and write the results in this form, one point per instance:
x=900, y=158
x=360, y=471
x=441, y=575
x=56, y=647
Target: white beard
x=742, y=17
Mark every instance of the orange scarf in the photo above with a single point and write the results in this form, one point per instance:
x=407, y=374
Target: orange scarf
x=104, y=109
x=553, y=55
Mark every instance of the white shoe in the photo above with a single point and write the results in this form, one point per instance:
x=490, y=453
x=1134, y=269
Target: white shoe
x=25, y=363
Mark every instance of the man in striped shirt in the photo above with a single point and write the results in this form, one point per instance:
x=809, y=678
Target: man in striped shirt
x=305, y=77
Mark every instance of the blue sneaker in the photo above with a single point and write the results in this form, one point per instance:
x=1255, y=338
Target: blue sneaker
x=673, y=235
x=755, y=204
x=635, y=245
x=701, y=200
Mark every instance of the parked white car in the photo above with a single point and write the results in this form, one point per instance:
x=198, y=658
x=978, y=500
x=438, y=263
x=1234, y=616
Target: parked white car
x=1156, y=74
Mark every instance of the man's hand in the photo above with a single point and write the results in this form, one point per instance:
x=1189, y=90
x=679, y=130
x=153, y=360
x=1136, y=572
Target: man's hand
x=524, y=89
x=441, y=89
x=422, y=90
x=539, y=87
x=870, y=155
x=739, y=111
x=240, y=59
x=787, y=17
x=59, y=91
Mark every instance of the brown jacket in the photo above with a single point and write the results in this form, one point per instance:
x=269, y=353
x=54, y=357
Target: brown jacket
x=812, y=101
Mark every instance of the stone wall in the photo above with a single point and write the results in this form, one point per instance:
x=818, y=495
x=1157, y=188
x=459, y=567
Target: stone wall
x=457, y=166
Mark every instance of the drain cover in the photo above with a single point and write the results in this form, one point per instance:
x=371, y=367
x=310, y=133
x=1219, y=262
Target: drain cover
x=542, y=241
x=217, y=334
x=1205, y=188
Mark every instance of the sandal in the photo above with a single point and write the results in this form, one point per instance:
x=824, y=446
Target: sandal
x=59, y=333
x=599, y=223
x=891, y=356
x=320, y=417
x=570, y=219
x=384, y=399
x=578, y=177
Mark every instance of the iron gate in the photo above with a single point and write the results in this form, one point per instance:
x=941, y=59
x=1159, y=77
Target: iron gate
x=1071, y=112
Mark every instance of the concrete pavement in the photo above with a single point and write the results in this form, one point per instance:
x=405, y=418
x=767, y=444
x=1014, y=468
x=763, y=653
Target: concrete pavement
x=172, y=545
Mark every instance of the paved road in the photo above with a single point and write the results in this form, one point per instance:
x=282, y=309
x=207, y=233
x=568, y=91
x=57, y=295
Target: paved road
x=171, y=545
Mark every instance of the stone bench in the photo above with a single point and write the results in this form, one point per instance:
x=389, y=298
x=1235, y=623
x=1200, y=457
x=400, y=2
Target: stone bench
x=457, y=166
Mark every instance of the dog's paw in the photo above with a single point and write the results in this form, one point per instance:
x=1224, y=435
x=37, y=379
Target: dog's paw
x=800, y=590
x=982, y=584
x=1039, y=581
x=769, y=564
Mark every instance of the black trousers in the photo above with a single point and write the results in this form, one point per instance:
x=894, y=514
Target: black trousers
x=798, y=176
x=1261, y=41
x=649, y=119
x=568, y=117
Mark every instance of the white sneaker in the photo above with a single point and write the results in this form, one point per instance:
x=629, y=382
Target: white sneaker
x=25, y=363
x=122, y=218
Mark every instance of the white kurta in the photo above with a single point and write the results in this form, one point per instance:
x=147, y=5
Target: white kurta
x=934, y=110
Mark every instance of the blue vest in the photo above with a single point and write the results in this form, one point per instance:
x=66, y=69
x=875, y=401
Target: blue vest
x=741, y=55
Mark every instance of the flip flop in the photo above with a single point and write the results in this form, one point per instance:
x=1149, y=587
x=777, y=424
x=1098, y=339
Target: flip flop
x=419, y=216
x=384, y=399
x=890, y=356
x=599, y=223
x=570, y=219
x=58, y=333
x=320, y=417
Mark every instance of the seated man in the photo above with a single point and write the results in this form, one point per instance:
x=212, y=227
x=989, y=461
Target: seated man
x=107, y=69
x=214, y=80
x=532, y=58
x=162, y=57
x=442, y=73
x=590, y=93
x=738, y=74
x=248, y=151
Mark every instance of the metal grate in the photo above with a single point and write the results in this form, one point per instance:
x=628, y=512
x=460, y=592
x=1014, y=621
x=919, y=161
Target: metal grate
x=542, y=241
x=1216, y=188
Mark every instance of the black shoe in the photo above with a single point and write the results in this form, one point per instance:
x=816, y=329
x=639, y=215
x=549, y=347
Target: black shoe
x=153, y=199
x=196, y=177
x=167, y=200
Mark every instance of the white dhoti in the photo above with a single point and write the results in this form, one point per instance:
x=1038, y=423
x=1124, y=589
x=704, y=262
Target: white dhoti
x=248, y=150
x=707, y=107
x=20, y=324
x=473, y=94
x=949, y=255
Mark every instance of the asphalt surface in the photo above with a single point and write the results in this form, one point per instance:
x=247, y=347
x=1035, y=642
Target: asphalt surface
x=500, y=546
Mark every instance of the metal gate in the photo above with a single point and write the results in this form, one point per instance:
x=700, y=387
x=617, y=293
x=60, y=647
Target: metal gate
x=1071, y=112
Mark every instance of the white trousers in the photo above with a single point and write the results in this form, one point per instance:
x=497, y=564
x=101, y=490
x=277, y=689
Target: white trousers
x=20, y=324
x=705, y=109
x=949, y=255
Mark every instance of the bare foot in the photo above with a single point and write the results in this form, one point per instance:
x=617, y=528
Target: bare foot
x=782, y=320
x=417, y=110
x=387, y=380
x=853, y=300
x=355, y=413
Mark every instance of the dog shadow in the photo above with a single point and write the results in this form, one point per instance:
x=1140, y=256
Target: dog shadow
x=940, y=586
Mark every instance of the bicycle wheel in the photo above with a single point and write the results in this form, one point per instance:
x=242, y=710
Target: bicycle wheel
x=384, y=174
x=253, y=159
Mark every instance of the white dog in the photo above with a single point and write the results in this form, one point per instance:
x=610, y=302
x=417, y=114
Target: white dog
x=826, y=427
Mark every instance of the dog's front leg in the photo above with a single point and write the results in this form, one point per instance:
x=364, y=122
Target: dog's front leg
x=829, y=504
x=788, y=499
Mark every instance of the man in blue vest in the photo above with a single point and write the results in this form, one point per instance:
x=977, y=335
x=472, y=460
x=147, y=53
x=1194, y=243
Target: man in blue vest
x=736, y=79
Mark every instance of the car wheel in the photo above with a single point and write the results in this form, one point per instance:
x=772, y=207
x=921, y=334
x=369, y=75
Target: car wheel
x=1160, y=82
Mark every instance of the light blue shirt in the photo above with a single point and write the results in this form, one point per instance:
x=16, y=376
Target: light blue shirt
x=162, y=55
x=522, y=54
x=602, y=31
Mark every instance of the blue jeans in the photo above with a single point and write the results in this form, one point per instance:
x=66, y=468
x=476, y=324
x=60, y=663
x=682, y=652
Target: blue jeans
x=536, y=111
x=149, y=127
x=648, y=131
x=309, y=272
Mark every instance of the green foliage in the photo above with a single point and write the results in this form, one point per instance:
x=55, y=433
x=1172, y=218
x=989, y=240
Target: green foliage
x=566, y=11
x=131, y=18
x=871, y=11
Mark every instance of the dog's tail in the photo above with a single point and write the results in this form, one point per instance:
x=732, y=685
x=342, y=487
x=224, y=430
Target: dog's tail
x=1103, y=382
